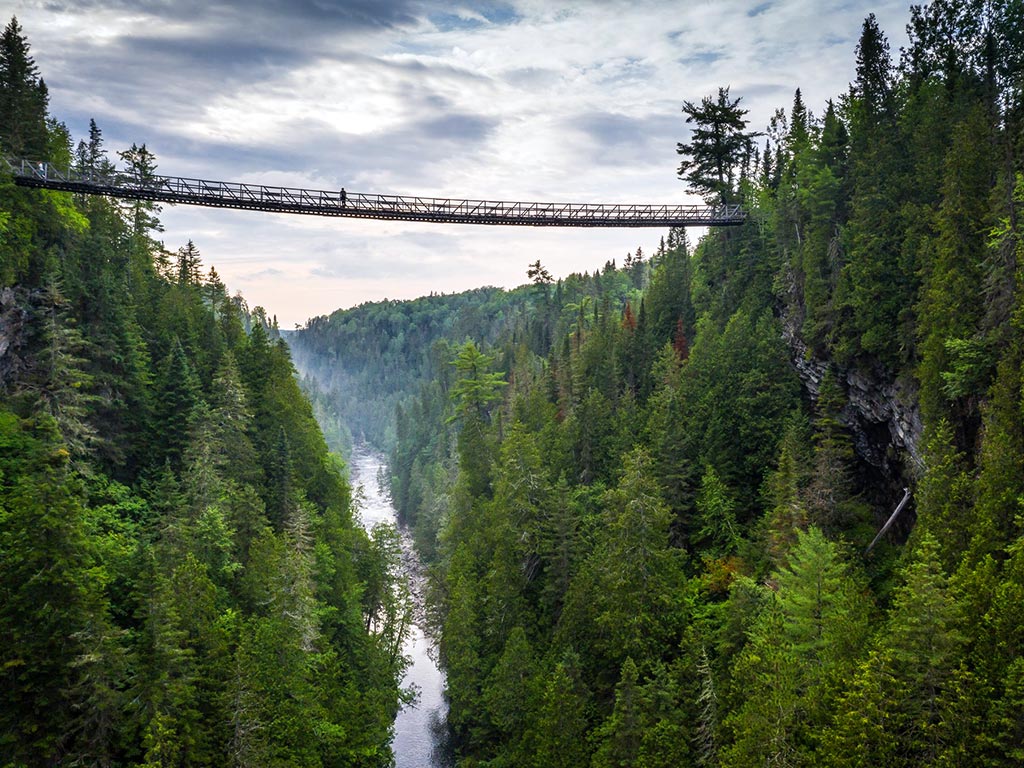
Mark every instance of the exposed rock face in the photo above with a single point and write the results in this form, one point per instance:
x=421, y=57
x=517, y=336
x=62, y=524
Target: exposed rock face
x=14, y=321
x=882, y=415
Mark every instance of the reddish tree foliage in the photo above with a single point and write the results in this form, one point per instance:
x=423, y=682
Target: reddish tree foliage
x=679, y=343
x=628, y=318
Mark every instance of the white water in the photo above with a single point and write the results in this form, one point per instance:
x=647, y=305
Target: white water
x=419, y=727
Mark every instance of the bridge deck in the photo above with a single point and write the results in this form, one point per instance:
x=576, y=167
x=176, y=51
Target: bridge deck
x=258, y=197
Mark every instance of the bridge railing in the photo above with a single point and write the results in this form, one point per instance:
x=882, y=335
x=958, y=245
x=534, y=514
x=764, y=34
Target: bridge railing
x=174, y=189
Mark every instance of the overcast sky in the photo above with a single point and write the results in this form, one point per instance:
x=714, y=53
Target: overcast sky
x=526, y=99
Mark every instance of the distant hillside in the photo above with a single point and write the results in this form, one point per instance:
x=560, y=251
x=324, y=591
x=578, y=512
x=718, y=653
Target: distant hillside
x=662, y=539
x=359, y=364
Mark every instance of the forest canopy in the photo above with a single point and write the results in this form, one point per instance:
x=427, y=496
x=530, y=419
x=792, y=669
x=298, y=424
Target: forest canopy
x=648, y=498
x=181, y=578
x=646, y=494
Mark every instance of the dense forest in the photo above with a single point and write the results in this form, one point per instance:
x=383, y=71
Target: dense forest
x=390, y=349
x=182, y=582
x=360, y=365
x=650, y=502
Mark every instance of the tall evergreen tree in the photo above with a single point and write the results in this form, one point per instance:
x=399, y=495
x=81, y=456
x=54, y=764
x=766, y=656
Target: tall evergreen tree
x=877, y=287
x=718, y=148
x=23, y=97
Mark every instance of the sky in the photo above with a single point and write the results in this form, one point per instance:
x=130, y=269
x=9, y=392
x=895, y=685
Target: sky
x=517, y=100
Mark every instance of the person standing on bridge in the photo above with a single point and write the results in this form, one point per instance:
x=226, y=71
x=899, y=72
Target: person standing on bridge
x=343, y=197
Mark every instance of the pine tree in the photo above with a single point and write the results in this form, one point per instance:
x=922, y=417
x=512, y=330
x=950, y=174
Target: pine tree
x=459, y=642
x=944, y=496
x=91, y=158
x=232, y=421
x=1000, y=481
x=949, y=315
x=508, y=691
x=893, y=710
x=23, y=97
x=707, y=726
x=830, y=496
x=876, y=291
x=279, y=487
x=718, y=147
x=799, y=648
x=636, y=587
x=474, y=394
x=621, y=734
x=787, y=513
x=53, y=612
x=560, y=732
x=59, y=384
x=140, y=170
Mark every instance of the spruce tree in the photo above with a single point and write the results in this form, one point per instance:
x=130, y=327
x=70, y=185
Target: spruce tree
x=177, y=395
x=23, y=97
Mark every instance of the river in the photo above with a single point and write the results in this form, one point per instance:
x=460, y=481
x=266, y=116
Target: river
x=419, y=727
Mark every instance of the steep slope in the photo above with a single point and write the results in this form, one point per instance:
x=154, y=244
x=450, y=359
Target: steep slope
x=650, y=535
x=181, y=580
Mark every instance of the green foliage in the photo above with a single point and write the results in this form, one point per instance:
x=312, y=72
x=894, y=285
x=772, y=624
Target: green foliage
x=718, y=147
x=560, y=732
x=180, y=575
x=635, y=519
x=23, y=97
x=475, y=389
x=894, y=709
x=717, y=517
x=800, y=646
x=370, y=359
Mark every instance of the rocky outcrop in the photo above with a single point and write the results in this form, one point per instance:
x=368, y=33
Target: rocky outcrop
x=14, y=324
x=881, y=414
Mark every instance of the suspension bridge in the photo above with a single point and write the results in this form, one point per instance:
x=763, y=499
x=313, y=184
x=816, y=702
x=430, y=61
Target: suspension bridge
x=318, y=202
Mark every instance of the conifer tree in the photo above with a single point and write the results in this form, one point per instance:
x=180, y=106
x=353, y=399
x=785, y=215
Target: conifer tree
x=830, y=494
x=944, y=496
x=876, y=290
x=814, y=627
x=622, y=733
x=787, y=513
x=640, y=571
x=508, y=691
x=893, y=710
x=23, y=97
x=474, y=394
x=560, y=732
x=949, y=319
x=719, y=146
x=140, y=170
x=91, y=158
x=52, y=599
x=178, y=393
x=707, y=703
x=232, y=423
x=189, y=270
x=59, y=383
x=715, y=510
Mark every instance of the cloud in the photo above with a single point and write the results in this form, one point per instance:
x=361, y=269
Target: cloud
x=312, y=17
x=270, y=272
x=493, y=99
x=622, y=140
